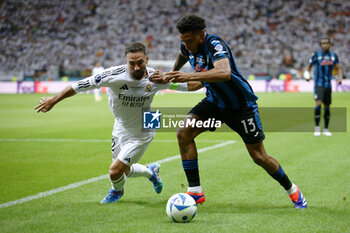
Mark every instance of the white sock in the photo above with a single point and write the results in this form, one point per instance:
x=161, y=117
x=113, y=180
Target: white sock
x=292, y=190
x=137, y=170
x=196, y=189
x=118, y=184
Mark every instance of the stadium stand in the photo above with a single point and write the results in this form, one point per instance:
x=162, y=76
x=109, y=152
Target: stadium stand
x=264, y=35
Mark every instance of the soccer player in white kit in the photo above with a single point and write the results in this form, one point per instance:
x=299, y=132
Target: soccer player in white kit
x=96, y=70
x=129, y=90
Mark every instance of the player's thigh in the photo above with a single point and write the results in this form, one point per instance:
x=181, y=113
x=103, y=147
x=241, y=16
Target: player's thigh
x=327, y=96
x=319, y=94
x=203, y=111
x=190, y=131
x=247, y=124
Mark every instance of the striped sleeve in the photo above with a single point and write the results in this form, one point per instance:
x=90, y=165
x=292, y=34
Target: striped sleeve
x=103, y=79
x=217, y=49
x=84, y=85
x=313, y=59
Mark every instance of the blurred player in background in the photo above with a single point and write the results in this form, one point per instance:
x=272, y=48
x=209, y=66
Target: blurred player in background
x=324, y=61
x=129, y=91
x=96, y=70
x=229, y=98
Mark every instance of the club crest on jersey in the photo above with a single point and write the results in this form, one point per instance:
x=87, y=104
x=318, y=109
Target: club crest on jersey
x=98, y=79
x=218, y=47
x=148, y=88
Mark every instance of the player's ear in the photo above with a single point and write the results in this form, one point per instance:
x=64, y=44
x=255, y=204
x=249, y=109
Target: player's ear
x=147, y=58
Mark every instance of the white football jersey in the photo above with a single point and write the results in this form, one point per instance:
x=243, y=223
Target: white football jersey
x=126, y=98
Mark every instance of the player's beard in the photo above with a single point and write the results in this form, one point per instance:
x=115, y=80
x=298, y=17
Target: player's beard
x=138, y=74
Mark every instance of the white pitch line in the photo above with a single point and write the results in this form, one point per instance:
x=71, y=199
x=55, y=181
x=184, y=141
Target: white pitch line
x=199, y=151
x=94, y=179
x=52, y=191
x=87, y=140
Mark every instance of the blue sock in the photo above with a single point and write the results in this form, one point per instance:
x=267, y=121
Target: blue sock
x=192, y=173
x=282, y=178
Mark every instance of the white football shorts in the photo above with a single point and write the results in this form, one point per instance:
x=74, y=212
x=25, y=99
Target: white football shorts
x=130, y=150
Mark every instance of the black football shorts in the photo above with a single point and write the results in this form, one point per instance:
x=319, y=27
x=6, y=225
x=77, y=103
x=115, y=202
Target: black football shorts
x=323, y=94
x=246, y=122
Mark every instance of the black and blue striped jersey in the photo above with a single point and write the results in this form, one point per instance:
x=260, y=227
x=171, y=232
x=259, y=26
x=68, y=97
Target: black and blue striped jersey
x=324, y=63
x=233, y=94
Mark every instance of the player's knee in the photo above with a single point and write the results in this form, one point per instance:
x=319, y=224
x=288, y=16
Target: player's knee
x=183, y=136
x=259, y=158
x=114, y=172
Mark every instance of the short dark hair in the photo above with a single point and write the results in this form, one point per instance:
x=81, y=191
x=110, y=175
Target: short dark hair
x=326, y=38
x=190, y=23
x=135, y=47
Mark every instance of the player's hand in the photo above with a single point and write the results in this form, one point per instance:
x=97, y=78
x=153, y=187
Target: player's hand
x=178, y=77
x=158, y=77
x=45, y=105
x=339, y=81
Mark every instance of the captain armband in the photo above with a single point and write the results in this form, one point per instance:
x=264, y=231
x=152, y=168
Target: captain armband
x=179, y=86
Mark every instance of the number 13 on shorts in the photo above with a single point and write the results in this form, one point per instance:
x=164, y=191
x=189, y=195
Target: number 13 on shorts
x=249, y=125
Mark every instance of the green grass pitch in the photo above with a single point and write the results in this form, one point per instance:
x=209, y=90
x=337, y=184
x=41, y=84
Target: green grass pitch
x=241, y=197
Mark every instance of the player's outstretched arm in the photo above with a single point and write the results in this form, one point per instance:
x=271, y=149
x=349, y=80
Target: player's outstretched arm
x=194, y=85
x=220, y=73
x=179, y=62
x=47, y=103
x=159, y=78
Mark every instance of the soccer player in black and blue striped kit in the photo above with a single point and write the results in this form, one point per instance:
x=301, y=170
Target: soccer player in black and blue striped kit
x=324, y=61
x=229, y=98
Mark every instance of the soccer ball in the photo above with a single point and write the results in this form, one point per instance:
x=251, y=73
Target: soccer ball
x=181, y=207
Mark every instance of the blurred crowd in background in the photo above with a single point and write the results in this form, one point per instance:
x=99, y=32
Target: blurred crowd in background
x=266, y=35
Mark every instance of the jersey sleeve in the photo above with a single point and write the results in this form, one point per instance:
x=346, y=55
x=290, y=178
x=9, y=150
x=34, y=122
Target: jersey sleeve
x=84, y=85
x=103, y=79
x=217, y=49
x=313, y=59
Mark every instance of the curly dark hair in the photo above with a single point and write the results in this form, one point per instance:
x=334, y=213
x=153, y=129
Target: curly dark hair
x=135, y=47
x=190, y=23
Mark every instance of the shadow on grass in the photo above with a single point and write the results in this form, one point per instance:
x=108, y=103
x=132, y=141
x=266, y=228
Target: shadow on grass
x=122, y=203
x=246, y=208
